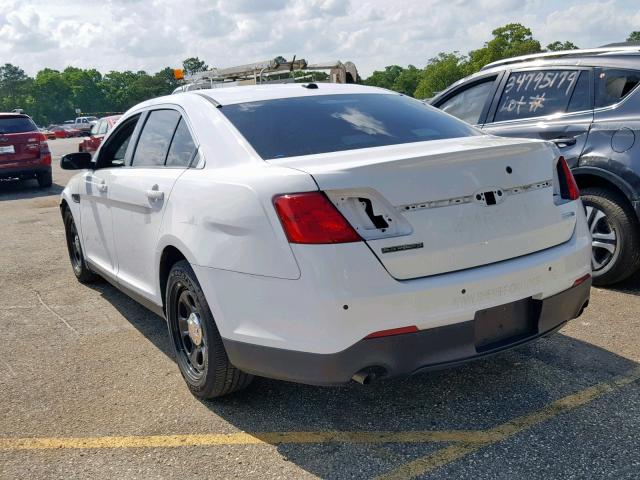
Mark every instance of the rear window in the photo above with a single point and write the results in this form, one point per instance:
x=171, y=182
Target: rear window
x=290, y=127
x=16, y=125
x=613, y=85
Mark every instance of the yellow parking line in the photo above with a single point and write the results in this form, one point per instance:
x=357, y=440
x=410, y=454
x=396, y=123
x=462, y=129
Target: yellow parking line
x=447, y=455
x=464, y=441
x=272, y=438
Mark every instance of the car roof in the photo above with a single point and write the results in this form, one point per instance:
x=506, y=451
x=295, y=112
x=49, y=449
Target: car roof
x=255, y=93
x=13, y=115
x=610, y=60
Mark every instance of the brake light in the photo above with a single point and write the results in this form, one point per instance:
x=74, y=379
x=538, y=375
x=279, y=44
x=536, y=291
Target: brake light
x=568, y=186
x=312, y=219
x=45, y=153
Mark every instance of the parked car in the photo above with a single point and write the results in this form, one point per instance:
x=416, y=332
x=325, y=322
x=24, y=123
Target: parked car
x=588, y=103
x=72, y=131
x=47, y=133
x=84, y=124
x=98, y=131
x=58, y=131
x=24, y=152
x=320, y=233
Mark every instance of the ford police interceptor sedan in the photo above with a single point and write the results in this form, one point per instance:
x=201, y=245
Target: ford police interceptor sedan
x=325, y=233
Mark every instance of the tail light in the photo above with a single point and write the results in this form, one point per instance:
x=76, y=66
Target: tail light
x=312, y=219
x=45, y=153
x=568, y=186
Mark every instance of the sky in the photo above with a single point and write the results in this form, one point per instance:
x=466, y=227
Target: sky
x=153, y=34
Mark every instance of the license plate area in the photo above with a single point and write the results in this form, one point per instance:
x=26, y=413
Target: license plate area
x=7, y=149
x=498, y=326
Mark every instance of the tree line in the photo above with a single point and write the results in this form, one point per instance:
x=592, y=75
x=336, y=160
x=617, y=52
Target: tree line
x=446, y=68
x=52, y=96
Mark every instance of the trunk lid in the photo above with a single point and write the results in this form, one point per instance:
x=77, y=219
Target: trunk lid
x=449, y=204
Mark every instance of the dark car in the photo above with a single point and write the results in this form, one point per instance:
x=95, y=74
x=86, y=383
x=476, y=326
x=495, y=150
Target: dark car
x=588, y=103
x=24, y=152
x=98, y=131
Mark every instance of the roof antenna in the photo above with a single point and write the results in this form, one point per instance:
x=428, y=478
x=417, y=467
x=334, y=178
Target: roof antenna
x=310, y=86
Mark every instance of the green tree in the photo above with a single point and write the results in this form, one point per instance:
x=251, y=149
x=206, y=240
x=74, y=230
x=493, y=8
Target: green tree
x=385, y=78
x=440, y=72
x=193, y=65
x=634, y=36
x=13, y=86
x=558, y=46
x=86, y=91
x=407, y=81
x=508, y=41
x=51, y=98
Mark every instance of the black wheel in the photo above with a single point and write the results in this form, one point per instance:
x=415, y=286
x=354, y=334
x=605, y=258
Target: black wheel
x=45, y=179
x=80, y=268
x=197, y=344
x=614, y=226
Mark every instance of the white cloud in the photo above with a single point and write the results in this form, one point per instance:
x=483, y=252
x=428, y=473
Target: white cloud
x=152, y=34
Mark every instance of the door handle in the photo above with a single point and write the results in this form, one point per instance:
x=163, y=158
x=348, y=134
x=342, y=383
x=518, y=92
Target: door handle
x=564, y=141
x=155, y=195
x=102, y=187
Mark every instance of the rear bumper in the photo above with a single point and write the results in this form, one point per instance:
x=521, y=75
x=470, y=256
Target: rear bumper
x=428, y=349
x=23, y=171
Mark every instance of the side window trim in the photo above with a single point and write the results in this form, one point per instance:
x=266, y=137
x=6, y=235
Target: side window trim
x=131, y=148
x=498, y=94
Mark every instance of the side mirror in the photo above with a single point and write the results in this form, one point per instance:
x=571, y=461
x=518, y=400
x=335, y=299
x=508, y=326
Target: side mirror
x=76, y=161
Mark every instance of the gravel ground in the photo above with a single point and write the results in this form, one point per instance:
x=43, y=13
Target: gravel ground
x=79, y=361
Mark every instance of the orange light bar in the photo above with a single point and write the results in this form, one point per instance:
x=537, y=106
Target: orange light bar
x=178, y=74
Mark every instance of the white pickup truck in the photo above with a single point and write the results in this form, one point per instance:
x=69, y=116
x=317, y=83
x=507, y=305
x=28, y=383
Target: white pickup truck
x=83, y=124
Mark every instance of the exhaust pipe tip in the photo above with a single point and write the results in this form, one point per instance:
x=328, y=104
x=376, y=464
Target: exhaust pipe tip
x=368, y=375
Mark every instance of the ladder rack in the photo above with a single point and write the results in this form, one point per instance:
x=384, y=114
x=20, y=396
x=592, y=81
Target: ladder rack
x=277, y=70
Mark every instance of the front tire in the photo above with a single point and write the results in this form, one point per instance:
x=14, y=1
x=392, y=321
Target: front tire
x=78, y=263
x=195, y=338
x=616, y=239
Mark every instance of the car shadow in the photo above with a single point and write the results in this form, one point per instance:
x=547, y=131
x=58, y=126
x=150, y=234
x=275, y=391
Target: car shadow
x=476, y=396
x=22, y=189
x=630, y=286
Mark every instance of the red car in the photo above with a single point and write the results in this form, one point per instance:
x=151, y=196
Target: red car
x=24, y=152
x=58, y=131
x=98, y=131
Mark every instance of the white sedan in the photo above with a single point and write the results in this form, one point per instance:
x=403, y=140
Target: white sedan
x=322, y=233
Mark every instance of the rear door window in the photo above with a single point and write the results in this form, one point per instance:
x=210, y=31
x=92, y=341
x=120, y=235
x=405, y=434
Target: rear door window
x=612, y=85
x=536, y=93
x=102, y=127
x=16, y=125
x=182, y=147
x=467, y=104
x=155, y=138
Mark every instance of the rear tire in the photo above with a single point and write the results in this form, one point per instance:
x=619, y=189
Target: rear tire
x=76, y=256
x=45, y=179
x=195, y=338
x=616, y=237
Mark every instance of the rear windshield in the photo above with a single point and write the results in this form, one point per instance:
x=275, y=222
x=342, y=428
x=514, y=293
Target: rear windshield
x=290, y=127
x=16, y=125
